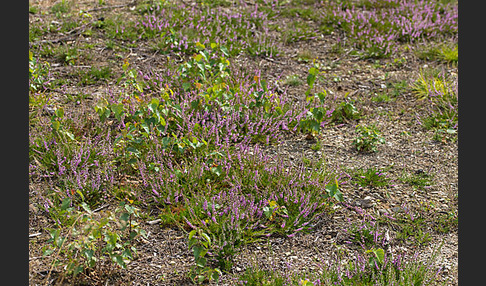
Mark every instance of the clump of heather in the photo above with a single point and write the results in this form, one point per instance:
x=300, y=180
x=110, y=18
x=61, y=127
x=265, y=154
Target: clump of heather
x=378, y=267
x=206, y=102
x=378, y=27
x=181, y=27
x=83, y=172
x=239, y=195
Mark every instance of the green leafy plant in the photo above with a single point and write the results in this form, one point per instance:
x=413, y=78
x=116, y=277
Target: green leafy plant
x=315, y=104
x=38, y=74
x=58, y=128
x=200, y=244
x=87, y=240
x=345, y=111
x=367, y=138
x=332, y=191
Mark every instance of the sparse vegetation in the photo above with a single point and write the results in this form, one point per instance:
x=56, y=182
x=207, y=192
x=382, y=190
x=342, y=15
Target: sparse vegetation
x=163, y=134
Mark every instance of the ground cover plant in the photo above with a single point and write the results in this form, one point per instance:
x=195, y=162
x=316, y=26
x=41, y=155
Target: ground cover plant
x=243, y=143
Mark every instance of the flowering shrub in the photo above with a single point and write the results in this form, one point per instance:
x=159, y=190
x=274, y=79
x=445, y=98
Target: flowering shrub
x=377, y=26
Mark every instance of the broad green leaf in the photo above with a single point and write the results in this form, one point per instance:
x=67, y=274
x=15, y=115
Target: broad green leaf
x=56, y=125
x=264, y=85
x=310, y=80
x=133, y=150
x=85, y=207
x=127, y=253
x=313, y=71
x=66, y=203
x=154, y=104
x=59, y=113
x=162, y=121
x=145, y=126
x=267, y=212
x=322, y=96
x=198, y=57
x=225, y=51
x=206, y=237
x=199, y=252
x=201, y=278
x=88, y=253
x=318, y=114
x=218, y=170
x=451, y=131
x=192, y=233
x=78, y=269
x=118, y=110
x=125, y=217
x=379, y=254
x=215, y=274
x=47, y=252
x=201, y=262
x=119, y=260
x=68, y=134
x=201, y=46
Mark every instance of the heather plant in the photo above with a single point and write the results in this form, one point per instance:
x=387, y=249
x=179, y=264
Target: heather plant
x=378, y=267
x=204, y=88
x=378, y=29
x=256, y=276
x=193, y=139
x=180, y=27
x=241, y=198
x=83, y=171
x=410, y=226
x=374, y=266
x=304, y=13
x=43, y=155
x=367, y=234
